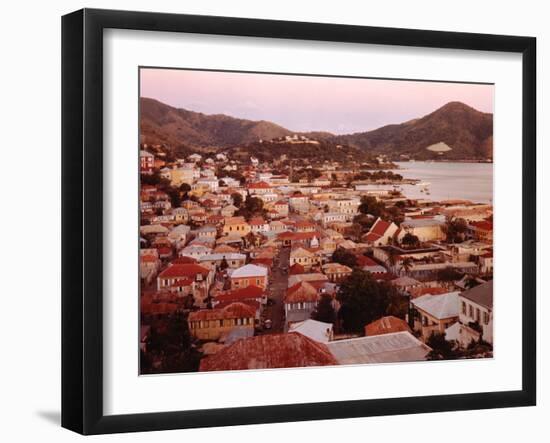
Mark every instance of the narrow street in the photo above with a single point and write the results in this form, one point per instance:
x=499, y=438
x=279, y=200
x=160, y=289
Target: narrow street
x=276, y=291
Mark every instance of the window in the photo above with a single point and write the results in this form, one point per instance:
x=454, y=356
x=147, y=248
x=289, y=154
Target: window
x=471, y=311
x=485, y=318
x=478, y=315
x=464, y=308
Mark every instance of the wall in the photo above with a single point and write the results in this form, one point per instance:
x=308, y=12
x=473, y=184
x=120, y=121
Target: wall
x=30, y=108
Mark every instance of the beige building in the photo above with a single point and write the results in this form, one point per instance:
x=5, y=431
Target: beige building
x=213, y=324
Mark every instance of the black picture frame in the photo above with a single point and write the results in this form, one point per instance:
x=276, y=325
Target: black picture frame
x=82, y=239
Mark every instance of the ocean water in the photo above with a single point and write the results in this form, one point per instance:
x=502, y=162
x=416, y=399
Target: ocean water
x=468, y=181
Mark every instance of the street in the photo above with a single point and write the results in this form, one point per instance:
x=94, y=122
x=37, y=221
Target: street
x=276, y=291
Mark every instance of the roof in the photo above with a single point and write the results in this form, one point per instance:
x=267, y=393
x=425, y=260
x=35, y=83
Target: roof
x=380, y=227
x=310, y=277
x=483, y=225
x=292, y=350
x=301, y=292
x=295, y=269
x=249, y=271
x=331, y=268
x=386, y=325
x=386, y=348
x=251, y=292
x=233, y=310
x=439, y=306
x=422, y=222
x=316, y=330
x=481, y=294
x=259, y=185
x=184, y=270
x=405, y=281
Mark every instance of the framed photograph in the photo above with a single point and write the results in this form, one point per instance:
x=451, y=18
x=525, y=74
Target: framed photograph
x=269, y=221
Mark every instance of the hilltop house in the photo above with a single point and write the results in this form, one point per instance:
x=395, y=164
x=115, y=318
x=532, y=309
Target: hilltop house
x=435, y=313
x=212, y=324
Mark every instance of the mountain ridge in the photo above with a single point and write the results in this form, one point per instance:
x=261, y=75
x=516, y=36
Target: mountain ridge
x=466, y=130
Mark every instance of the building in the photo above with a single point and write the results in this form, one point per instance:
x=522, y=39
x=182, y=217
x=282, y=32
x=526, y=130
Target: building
x=146, y=162
x=476, y=315
x=380, y=233
x=303, y=257
x=435, y=313
x=292, y=350
x=300, y=302
x=481, y=230
x=336, y=272
x=385, y=348
x=386, y=325
x=179, y=277
x=249, y=275
x=212, y=324
x=316, y=330
x=426, y=229
x=234, y=260
x=236, y=226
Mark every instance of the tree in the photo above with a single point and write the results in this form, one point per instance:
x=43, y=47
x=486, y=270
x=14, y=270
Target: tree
x=456, y=229
x=370, y=205
x=325, y=311
x=237, y=199
x=364, y=300
x=185, y=188
x=224, y=265
x=406, y=264
x=448, y=274
x=410, y=240
x=442, y=349
x=344, y=257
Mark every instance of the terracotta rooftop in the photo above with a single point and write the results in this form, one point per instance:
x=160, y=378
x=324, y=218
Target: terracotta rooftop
x=291, y=350
x=185, y=270
x=386, y=325
x=301, y=292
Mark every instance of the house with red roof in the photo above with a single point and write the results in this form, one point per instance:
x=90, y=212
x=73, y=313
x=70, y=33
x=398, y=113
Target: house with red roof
x=481, y=230
x=189, y=278
x=386, y=325
x=380, y=232
x=259, y=188
x=292, y=350
x=300, y=301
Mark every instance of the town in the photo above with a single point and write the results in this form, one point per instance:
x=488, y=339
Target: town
x=251, y=263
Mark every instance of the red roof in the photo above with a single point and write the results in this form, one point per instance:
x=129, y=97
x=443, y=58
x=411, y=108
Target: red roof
x=371, y=236
x=484, y=225
x=182, y=271
x=386, y=325
x=301, y=292
x=183, y=260
x=291, y=350
x=363, y=260
x=256, y=221
x=268, y=262
x=296, y=269
x=380, y=227
x=259, y=185
x=251, y=292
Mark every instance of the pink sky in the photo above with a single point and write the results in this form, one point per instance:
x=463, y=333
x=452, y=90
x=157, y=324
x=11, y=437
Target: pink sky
x=307, y=103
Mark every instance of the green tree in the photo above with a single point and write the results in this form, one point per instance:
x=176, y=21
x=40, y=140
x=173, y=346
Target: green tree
x=370, y=205
x=364, y=300
x=442, y=349
x=344, y=257
x=410, y=240
x=325, y=311
x=456, y=229
x=448, y=274
x=237, y=199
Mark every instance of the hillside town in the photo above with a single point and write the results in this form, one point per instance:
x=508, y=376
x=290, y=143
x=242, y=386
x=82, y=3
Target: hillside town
x=257, y=264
